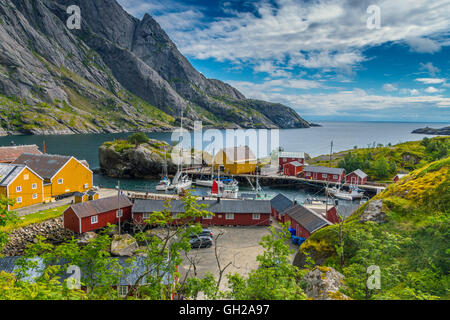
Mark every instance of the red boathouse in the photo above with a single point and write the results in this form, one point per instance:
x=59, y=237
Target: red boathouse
x=293, y=168
x=96, y=214
x=357, y=177
x=324, y=173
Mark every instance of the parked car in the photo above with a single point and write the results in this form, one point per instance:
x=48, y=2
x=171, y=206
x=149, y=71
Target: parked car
x=201, y=242
x=204, y=233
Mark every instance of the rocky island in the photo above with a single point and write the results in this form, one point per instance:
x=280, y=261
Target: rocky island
x=442, y=131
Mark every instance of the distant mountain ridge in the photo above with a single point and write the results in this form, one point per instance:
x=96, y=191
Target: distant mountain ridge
x=117, y=73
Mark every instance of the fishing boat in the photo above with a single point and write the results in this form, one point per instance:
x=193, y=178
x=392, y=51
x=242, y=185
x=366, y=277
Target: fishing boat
x=164, y=184
x=352, y=194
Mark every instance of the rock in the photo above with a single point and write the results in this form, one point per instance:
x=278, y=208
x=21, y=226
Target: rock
x=374, y=212
x=442, y=131
x=324, y=284
x=124, y=246
x=86, y=237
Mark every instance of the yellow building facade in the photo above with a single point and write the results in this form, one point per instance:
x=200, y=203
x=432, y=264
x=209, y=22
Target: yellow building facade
x=22, y=185
x=236, y=160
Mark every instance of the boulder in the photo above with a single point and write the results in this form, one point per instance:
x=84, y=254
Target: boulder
x=324, y=284
x=86, y=237
x=124, y=245
x=374, y=212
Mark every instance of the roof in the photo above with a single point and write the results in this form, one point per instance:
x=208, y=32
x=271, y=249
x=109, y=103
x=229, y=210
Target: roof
x=401, y=175
x=328, y=170
x=214, y=206
x=8, y=172
x=307, y=218
x=11, y=153
x=95, y=207
x=237, y=154
x=281, y=203
x=295, y=164
x=46, y=165
x=292, y=155
x=359, y=173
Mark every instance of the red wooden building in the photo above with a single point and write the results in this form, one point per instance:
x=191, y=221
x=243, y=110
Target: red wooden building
x=279, y=204
x=399, y=176
x=96, y=214
x=357, y=177
x=305, y=221
x=225, y=212
x=293, y=168
x=286, y=157
x=324, y=173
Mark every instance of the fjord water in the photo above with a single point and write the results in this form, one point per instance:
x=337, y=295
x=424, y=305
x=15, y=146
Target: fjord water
x=315, y=141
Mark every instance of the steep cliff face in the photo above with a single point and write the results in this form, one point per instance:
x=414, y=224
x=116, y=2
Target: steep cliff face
x=117, y=73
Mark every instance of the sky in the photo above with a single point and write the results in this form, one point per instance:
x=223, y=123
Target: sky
x=328, y=59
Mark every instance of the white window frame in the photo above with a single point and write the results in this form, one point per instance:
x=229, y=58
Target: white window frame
x=119, y=213
x=308, y=173
x=228, y=215
x=94, y=219
x=335, y=177
x=26, y=177
x=34, y=186
x=122, y=290
x=256, y=216
x=19, y=189
x=208, y=217
x=60, y=181
x=86, y=185
x=324, y=175
x=35, y=196
x=146, y=216
x=19, y=200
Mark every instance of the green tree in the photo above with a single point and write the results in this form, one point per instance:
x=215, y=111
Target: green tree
x=138, y=138
x=381, y=168
x=6, y=217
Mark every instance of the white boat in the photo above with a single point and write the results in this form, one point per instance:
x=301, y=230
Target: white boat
x=183, y=184
x=228, y=191
x=163, y=185
x=350, y=195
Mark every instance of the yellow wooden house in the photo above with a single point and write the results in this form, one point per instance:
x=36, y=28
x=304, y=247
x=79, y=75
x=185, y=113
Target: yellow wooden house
x=63, y=175
x=236, y=160
x=21, y=184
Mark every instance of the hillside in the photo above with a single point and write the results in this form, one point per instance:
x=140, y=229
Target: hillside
x=116, y=74
x=382, y=163
x=409, y=241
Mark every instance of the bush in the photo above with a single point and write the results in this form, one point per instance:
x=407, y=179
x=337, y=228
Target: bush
x=138, y=138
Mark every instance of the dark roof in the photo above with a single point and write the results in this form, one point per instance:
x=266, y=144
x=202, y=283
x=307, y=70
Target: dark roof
x=328, y=170
x=11, y=153
x=95, y=207
x=281, y=203
x=308, y=219
x=46, y=165
x=214, y=206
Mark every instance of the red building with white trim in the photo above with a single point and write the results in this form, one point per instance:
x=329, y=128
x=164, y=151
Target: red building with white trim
x=225, y=212
x=324, y=173
x=305, y=221
x=96, y=214
x=357, y=177
x=293, y=168
x=286, y=157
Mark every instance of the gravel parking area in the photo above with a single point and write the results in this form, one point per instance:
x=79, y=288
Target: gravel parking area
x=239, y=245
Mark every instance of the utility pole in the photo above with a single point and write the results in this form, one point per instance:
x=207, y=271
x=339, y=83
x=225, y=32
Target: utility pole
x=44, y=147
x=328, y=182
x=118, y=204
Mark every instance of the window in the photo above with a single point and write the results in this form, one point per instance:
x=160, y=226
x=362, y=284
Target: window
x=94, y=219
x=60, y=181
x=335, y=177
x=86, y=185
x=34, y=186
x=229, y=216
x=19, y=189
x=146, y=216
x=208, y=217
x=19, y=200
x=308, y=174
x=119, y=213
x=35, y=196
x=26, y=176
x=123, y=291
x=256, y=216
x=324, y=175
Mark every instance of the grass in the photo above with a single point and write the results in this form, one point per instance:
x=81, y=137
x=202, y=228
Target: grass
x=34, y=218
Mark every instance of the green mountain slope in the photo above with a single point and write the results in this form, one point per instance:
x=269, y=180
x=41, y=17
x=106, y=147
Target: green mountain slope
x=411, y=246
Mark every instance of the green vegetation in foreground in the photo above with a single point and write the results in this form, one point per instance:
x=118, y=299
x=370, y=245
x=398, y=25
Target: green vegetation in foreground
x=382, y=163
x=411, y=247
x=37, y=217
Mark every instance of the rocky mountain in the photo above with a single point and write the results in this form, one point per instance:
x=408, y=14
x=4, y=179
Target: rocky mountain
x=116, y=73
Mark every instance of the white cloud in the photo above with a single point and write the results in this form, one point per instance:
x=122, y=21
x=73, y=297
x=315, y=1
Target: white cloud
x=389, y=87
x=431, y=80
x=431, y=90
x=430, y=68
x=423, y=45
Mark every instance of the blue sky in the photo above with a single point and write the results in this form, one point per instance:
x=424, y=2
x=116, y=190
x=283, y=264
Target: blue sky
x=319, y=57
